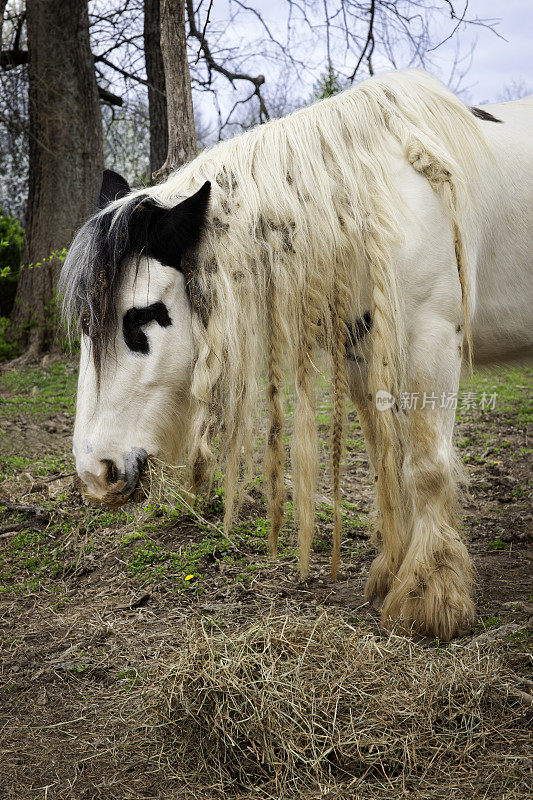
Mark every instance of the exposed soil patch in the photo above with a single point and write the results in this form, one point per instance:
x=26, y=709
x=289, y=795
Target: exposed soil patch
x=91, y=601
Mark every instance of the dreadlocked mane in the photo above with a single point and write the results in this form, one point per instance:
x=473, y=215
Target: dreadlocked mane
x=304, y=213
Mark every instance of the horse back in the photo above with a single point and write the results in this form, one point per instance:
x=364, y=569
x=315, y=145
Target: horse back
x=501, y=229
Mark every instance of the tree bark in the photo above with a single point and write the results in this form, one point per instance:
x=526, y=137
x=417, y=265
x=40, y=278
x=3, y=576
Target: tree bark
x=182, y=145
x=3, y=4
x=66, y=158
x=155, y=73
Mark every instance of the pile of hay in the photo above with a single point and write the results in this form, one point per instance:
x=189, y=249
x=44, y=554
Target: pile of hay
x=292, y=709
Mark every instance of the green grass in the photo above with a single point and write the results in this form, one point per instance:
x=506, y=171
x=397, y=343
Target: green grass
x=32, y=560
x=512, y=385
x=39, y=391
x=521, y=491
x=132, y=536
x=490, y=622
x=152, y=562
x=39, y=558
x=352, y=519
x=11, y=465
x=45, y=466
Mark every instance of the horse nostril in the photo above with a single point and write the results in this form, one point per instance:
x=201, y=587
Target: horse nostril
x=142, y=461
x=112, y=471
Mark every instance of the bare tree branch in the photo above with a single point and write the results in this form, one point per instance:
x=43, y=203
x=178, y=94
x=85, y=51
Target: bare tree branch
x=109, y=97
x=257, y=80
x=13, y=58
x=123, y=72
x=369, y=42
x=204, y=29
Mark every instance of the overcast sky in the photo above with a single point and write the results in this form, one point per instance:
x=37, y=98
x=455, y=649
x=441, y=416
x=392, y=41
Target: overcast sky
x=498, y=62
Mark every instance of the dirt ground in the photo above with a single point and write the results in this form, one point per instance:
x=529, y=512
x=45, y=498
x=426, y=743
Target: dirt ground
x=90, y=598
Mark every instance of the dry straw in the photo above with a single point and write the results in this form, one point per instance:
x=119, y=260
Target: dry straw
x=164, y=484
x=293, y=709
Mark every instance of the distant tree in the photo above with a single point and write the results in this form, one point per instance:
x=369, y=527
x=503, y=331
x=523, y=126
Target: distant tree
x=327, y=85
x=515, y=90
x=182, y=145
x=127, y=140
x=11, y=242
x=65, y=157
x=13, y=112
x=155, y=75
x=14, y=141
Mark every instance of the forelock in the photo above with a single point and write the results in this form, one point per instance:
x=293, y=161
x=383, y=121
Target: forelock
x=94, y=270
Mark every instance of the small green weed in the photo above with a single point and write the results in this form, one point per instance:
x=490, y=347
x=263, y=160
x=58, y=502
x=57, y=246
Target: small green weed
x=132, y=536
x=491, y=622
x=498, y=544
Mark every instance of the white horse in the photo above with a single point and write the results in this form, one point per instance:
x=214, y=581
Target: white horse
x=389, y=226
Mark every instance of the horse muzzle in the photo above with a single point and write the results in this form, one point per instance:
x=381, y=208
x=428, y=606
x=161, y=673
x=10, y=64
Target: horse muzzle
x=111, y=481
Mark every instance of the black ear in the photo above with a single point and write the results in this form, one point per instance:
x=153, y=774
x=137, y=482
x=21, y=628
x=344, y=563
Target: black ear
x=173, y=231
x=113, y=187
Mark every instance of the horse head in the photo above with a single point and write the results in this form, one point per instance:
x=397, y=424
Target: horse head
x=125, y=278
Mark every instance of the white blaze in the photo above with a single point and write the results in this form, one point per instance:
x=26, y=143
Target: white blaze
x=143, y=398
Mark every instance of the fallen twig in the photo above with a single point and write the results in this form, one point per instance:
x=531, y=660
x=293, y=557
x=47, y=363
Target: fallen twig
x=36, y=511
x=39, y=513
x=11, y=529
x=58, y=477
x=135, y=602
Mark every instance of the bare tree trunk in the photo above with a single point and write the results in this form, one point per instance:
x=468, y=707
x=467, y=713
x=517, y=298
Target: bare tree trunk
x=3, y=4
x=182, y=145
x=155, y=73
x=66, y=159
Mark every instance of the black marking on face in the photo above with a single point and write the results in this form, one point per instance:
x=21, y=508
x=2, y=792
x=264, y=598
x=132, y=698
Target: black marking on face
x=134, y=321
x=139, y=227
x=485, y=115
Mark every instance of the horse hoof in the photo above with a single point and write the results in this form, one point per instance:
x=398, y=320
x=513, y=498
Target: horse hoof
x=438, y=607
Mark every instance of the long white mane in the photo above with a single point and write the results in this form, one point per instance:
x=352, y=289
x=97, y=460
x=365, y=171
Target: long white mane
x=304, y=215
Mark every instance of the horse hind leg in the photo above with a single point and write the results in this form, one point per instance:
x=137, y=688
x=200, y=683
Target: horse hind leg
x=432, y=590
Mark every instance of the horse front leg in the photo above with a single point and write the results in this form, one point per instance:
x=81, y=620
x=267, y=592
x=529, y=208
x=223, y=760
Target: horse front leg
x=390, y=550
x=431, y=591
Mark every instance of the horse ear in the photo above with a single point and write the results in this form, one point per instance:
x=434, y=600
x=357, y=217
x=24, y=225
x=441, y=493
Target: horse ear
x=188, y=217
x=176, y=230
x=113, y=187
